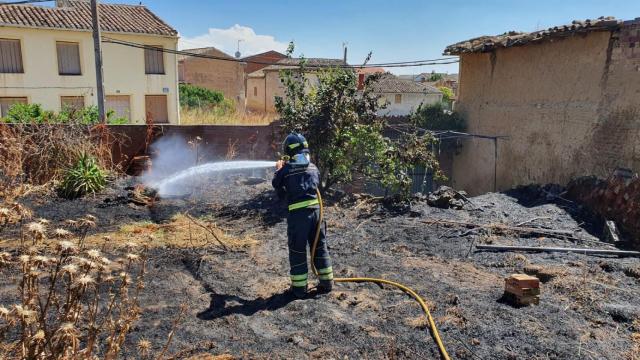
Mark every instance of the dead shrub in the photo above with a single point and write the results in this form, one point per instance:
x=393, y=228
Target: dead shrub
x=39, y=154
x=71, y=303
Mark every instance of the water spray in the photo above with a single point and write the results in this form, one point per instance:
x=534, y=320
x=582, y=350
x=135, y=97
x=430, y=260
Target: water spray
x=178, y=181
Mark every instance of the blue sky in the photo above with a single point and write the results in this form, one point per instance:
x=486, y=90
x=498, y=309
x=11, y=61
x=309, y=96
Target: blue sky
x=392, y=30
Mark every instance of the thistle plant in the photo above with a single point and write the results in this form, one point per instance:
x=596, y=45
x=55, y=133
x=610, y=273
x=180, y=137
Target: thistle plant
x=71, y=303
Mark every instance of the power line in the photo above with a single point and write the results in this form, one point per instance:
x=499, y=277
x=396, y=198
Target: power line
x=24, y=2
x=440, y=61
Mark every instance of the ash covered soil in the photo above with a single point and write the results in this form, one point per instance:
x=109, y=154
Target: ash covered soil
x=238, y=302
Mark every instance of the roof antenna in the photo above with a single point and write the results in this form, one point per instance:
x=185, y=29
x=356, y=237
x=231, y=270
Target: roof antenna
x=238, y=54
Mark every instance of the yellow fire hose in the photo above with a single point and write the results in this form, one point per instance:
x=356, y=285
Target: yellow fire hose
x=432, y=324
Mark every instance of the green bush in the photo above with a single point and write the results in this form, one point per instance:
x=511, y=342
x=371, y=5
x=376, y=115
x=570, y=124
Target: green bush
x=86, y=116
x=438, y=117
x=85, y=177
x=28, y=114
x=34, y=114
x=198, y=97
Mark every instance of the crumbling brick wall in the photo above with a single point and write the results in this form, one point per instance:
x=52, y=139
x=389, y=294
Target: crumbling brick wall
x=616, y=198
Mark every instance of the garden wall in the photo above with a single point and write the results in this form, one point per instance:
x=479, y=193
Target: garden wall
x=248, y=142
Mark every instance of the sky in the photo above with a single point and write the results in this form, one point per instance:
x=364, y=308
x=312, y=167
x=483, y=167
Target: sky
x=393, y=30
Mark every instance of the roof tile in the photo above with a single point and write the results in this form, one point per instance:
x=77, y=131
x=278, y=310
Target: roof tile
x=513, y=38
x=389, y=83
x=113, y=18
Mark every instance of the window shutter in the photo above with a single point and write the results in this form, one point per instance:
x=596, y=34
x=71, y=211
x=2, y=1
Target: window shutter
x=10, y=57
x=154, y=61
x=72, y=102
x=68, y=58
x=121, y=105
x=156, y=106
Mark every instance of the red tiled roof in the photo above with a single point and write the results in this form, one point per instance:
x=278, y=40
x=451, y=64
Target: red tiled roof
x=113, y=18
x=389, y=83
x=370, y=70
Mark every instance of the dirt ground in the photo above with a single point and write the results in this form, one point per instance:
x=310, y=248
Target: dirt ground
x=238, y=302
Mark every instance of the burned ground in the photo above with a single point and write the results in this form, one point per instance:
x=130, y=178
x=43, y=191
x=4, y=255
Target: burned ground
x=238, y=305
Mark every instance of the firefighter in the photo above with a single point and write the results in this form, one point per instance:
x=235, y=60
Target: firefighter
x=297, y=179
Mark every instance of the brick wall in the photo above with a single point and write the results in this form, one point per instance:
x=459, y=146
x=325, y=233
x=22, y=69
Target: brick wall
x=616, y=198
x=225, y=76
x=251, y=142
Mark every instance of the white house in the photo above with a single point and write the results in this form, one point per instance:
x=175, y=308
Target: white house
x=404, y=96
x=47, y=58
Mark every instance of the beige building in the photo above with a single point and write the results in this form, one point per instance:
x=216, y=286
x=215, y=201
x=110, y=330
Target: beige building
x=264, y=85
x=566, y=98
x=218, y=72
x=47, y=58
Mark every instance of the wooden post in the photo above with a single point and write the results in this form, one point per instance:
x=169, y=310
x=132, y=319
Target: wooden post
x=97, y=45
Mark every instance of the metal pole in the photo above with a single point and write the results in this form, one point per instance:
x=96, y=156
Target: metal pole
x=97, y=46
x=558, y=249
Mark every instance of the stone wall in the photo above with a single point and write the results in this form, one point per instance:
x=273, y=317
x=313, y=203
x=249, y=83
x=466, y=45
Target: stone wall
x=569, y=107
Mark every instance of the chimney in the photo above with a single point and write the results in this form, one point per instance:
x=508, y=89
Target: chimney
x=360, y=81
x=345, y=54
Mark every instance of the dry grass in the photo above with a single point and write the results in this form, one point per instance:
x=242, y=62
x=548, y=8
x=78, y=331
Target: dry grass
x=454, y=316
x=182, y=231
x=634, y=353
x=212, y=357
x=419, y=322
x=204, y=117
x=40, y=154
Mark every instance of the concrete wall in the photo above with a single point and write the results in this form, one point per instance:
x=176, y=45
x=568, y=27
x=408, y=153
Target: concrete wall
x=569, y=107
x=225, y=76
x=124, y=71
x=408, y=104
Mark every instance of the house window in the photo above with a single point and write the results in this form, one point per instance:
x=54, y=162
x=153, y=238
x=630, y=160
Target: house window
x=7, y=102
x=10, y=57
x=156, y=106
x=120, y=105
x=72, y=102
x=398, y=98
x=255, y=91
x=154, y=61
x=68, y=58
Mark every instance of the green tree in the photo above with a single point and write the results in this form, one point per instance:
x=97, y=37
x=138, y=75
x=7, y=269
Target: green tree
x=447, y=94
x=198, y=97
x=344, y=132
x=435, y=76
x=438, y=117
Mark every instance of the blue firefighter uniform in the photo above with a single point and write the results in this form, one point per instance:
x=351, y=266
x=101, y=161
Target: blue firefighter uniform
x=298, y=180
